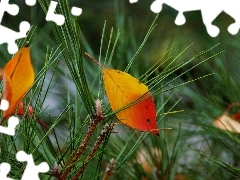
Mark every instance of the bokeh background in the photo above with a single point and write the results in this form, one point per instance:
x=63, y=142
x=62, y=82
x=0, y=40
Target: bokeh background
x=203, y=150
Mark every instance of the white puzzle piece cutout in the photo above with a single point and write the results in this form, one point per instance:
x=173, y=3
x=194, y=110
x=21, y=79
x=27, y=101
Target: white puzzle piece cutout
x=31, y=169
x=7, y=35
x=76, y=11
x=12, y=124
x=133, y=1
x=4, y=170
x=30, y=2
x=210, y=9
x=59, y=19
x=4, y=105
x=12, y=121
x=12, y=9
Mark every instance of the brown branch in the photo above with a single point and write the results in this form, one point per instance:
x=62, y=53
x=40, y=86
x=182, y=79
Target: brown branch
x=109, y=170
x=95, y=147
x=55, y=171
x=81, y=148
x=92, y=127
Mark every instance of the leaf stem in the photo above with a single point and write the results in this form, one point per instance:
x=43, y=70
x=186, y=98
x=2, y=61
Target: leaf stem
x=94, y=60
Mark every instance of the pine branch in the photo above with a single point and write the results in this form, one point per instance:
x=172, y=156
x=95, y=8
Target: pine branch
x=109, y=170
x=95, y=147
x=92, y=127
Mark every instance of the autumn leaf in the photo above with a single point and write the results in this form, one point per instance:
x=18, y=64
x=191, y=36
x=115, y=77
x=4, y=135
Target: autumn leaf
x=1, y=73
x=122, y=90
x=20, y=111
x=149, y=159
x=18, y=77
x=227, y=122
x=236, y=116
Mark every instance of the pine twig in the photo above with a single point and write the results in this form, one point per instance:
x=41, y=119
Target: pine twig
x=55, y=171
x=95, y=147
x=92, y=127
x=109, y=170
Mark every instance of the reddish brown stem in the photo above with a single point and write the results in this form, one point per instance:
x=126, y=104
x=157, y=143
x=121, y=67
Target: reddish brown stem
x=230, y=107
x=109, y=170
x=95, y=147
x=81, y=148
x=43, y=124
x=94, y=60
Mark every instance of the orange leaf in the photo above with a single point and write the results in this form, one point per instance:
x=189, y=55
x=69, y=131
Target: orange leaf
x=149, y=159
x=227, y=123
x=18, y=77
x=236, y=116
x=1, y=72
x=123, y=89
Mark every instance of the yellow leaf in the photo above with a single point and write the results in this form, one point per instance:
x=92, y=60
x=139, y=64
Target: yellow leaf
x=18, y=77
x=227, y=123
x=122, y=89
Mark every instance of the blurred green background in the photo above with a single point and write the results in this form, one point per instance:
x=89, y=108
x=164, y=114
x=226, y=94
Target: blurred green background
x=202, y=151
